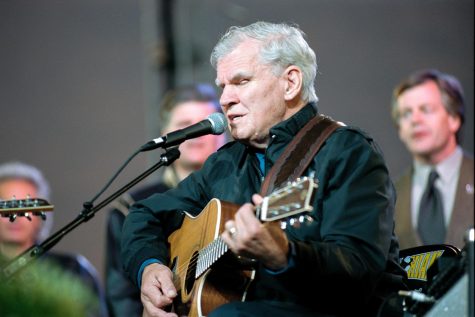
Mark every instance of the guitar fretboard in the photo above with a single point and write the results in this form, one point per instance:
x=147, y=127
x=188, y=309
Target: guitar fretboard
x=209, y=255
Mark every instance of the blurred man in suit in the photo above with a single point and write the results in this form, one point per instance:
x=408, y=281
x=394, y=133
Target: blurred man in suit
x=428, y=110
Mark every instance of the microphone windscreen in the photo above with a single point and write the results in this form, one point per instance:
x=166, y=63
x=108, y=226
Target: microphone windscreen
x=218, y=122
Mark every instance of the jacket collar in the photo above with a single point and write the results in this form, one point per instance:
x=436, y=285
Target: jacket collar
x=294, y=124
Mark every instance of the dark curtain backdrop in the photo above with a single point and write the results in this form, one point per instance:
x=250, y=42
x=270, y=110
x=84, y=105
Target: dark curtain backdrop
x=80, y=80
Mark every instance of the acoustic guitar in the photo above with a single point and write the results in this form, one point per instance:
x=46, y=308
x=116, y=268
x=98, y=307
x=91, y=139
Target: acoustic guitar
x=206, y=275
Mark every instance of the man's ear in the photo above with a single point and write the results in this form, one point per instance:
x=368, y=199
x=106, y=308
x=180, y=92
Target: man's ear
x=454, y=123
x=293, y=82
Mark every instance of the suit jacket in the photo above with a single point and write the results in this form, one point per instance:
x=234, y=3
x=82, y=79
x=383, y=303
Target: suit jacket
x=462, y=213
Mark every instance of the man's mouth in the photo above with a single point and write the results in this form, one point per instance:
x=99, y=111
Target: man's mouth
x=419, y=135
x=234, y=118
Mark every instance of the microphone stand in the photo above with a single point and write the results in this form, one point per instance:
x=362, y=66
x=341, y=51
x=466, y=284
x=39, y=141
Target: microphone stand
x=87, y=213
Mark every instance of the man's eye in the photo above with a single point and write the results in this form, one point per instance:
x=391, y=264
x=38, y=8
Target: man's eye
x=427, y=109
x=405, y=114
x=244, y=81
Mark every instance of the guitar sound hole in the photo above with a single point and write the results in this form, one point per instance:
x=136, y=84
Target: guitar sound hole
x=190, y=273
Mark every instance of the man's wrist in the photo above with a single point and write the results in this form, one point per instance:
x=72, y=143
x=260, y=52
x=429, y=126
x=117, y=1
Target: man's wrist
x=142, y=267
x=290, y=261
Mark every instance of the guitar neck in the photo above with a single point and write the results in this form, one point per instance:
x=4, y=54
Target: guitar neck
x=35, y=206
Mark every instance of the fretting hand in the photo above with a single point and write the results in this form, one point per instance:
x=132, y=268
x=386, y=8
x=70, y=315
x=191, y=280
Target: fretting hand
x=246, y=236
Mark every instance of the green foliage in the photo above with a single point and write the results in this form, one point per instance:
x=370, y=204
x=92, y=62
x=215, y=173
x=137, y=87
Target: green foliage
x=45, y=290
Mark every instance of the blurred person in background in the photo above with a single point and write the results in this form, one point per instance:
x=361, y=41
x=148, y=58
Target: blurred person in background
x=428, y=111
x=180, y=108
x=61, y=273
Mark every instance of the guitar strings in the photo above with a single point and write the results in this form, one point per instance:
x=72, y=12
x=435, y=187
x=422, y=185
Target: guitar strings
x=194, y=259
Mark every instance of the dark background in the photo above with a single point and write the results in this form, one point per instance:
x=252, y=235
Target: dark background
x=80, y=80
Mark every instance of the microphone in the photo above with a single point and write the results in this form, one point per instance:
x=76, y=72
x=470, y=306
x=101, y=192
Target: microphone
x=215, y=123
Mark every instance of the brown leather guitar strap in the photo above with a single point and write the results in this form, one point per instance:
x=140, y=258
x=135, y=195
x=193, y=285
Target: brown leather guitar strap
x=299, y=153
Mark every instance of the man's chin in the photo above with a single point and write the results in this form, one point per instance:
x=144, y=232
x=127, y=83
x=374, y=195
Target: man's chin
x=423, y=154
x=13, y=240
x=420, y=149
x=193, y=165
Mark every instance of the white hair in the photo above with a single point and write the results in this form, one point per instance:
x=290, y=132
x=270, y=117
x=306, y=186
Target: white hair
x=19, y=170
x=282, y=45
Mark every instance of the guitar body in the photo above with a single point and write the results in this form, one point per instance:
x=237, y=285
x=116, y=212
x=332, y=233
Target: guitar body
x=225, y=281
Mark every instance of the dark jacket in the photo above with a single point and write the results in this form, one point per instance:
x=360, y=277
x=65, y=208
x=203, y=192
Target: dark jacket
x=348, y=255
x=123, y=297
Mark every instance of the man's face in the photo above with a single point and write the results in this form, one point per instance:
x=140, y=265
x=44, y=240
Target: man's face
x=252, y=96
x=425, y=126
x=22, y=232
x=194, y=152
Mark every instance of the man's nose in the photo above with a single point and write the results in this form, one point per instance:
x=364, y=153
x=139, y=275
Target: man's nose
x=228, y=97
